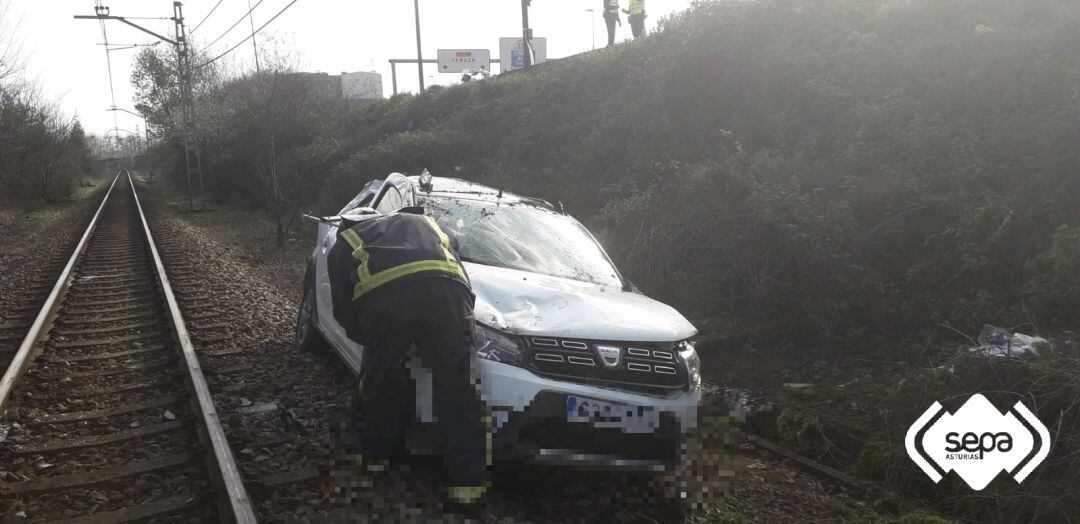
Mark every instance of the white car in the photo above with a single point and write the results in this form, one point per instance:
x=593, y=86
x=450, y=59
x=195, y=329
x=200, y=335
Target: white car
x=576, y=365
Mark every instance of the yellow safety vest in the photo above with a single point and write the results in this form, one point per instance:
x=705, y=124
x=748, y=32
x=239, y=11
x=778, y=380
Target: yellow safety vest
x=637, y=7
x=415, y=244
x=611, y=7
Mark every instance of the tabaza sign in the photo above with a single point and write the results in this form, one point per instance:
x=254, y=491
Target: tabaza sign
x=458, y=60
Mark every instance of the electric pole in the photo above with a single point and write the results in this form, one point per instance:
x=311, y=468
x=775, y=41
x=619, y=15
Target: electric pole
x=254, y=44
x=183, y=79
x=526, y=33
x=192, y=158
x=419, y=52
x=592, y=23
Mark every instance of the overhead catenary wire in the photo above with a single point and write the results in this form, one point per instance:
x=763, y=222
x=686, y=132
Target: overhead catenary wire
x=212, y=9
x=108, y=65
x=236, y=23
x=249, y=37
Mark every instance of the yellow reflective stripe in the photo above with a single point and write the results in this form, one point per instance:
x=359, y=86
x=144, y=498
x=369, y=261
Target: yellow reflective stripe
x=353, y=238
x=387, y=275
x=362, y=270
x=443, y=239
x=466, y=494
x=358, y=253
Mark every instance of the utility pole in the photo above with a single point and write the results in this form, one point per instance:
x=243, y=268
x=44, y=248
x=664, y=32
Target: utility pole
x=183, y=77
x=419, y=52
x=526, y=33
x=592, y=23
x=192, y=158
x=254, y=45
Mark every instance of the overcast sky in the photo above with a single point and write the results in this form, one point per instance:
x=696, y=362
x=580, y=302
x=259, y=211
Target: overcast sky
x=326, y=35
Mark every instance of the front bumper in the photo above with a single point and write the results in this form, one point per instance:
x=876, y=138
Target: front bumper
x=529, y=421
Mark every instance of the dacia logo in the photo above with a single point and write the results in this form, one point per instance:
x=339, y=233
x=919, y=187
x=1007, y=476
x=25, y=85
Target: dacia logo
x=610, y=355
x=977, y=442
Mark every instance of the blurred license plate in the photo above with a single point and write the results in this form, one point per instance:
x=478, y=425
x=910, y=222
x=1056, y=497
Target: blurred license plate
x=600, y=414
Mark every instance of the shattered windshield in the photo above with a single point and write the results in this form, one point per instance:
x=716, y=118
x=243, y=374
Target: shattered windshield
x=521, y=235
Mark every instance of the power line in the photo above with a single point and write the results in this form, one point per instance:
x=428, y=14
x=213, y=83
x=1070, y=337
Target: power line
x=222, y=35
x=198, y=25
x=108, y=64
x=249, y=37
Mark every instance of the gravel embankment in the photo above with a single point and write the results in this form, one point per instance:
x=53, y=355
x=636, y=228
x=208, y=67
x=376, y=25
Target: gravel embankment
x=34, y=247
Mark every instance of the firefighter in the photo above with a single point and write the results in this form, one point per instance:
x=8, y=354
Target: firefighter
x=637, y=17
x=611, y=17
x=410, y=288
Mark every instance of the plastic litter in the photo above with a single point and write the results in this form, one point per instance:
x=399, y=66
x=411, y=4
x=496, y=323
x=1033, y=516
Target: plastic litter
x=995, y=342
x=259, y=407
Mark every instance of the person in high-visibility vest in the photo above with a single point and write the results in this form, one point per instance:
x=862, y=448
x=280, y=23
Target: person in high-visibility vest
x=409, y=287
x=637, y=17
x=611, y=17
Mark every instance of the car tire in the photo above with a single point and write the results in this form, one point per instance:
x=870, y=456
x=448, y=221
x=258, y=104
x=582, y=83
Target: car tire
x=308, y=338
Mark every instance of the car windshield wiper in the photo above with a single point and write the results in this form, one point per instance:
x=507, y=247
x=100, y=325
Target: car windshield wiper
x=475, y=261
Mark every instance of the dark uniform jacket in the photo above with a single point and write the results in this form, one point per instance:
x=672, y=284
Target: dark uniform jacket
x=396, y=247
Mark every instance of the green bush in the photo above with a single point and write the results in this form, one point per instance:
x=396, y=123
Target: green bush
x=816, y=171
x=830, y=173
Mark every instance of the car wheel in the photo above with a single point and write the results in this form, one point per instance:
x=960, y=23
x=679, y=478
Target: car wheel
x=307, y=334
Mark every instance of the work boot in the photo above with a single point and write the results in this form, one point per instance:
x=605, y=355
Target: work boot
x=467, y=501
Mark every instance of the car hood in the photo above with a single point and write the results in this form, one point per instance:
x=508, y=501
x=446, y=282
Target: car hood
x=534, y=304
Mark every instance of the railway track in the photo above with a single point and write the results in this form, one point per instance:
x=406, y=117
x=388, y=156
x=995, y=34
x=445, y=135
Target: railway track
x=108, y=416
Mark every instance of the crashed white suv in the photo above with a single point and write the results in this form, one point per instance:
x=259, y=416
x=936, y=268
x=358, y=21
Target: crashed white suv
x=576, y=365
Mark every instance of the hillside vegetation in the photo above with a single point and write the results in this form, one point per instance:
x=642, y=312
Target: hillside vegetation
x=818, y=171
x=831, y=173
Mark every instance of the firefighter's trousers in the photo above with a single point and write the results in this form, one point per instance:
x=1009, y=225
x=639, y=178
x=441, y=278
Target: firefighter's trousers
x=435, y=314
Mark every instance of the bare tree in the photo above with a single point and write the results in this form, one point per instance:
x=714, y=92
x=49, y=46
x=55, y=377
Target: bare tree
x=40, y=151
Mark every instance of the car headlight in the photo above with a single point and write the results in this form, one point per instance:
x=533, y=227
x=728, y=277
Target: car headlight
x=495, y=345
x=693, y=363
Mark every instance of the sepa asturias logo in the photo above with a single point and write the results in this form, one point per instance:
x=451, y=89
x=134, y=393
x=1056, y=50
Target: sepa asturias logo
x=977, y=442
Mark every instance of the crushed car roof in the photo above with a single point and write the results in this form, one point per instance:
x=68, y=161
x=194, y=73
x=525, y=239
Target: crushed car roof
x=458, y=188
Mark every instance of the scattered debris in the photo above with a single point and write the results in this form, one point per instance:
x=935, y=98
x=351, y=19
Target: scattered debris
x=290, y=420
x=738, y=401
x=995, y=342
x=169, y=415
x=261, y=407
x=244, y=402
x=798, y=385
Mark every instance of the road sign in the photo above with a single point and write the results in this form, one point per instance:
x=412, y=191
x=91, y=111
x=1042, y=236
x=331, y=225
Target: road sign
x=512, y=53
x=458, y=60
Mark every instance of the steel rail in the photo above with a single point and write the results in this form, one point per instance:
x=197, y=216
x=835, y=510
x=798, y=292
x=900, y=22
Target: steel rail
x=238, y=500
x=26, y=353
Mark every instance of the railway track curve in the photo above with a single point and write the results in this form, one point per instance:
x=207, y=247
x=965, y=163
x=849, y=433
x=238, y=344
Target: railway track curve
x=108, y=414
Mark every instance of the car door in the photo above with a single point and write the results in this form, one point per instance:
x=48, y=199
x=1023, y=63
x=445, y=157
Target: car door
x=384, y=196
